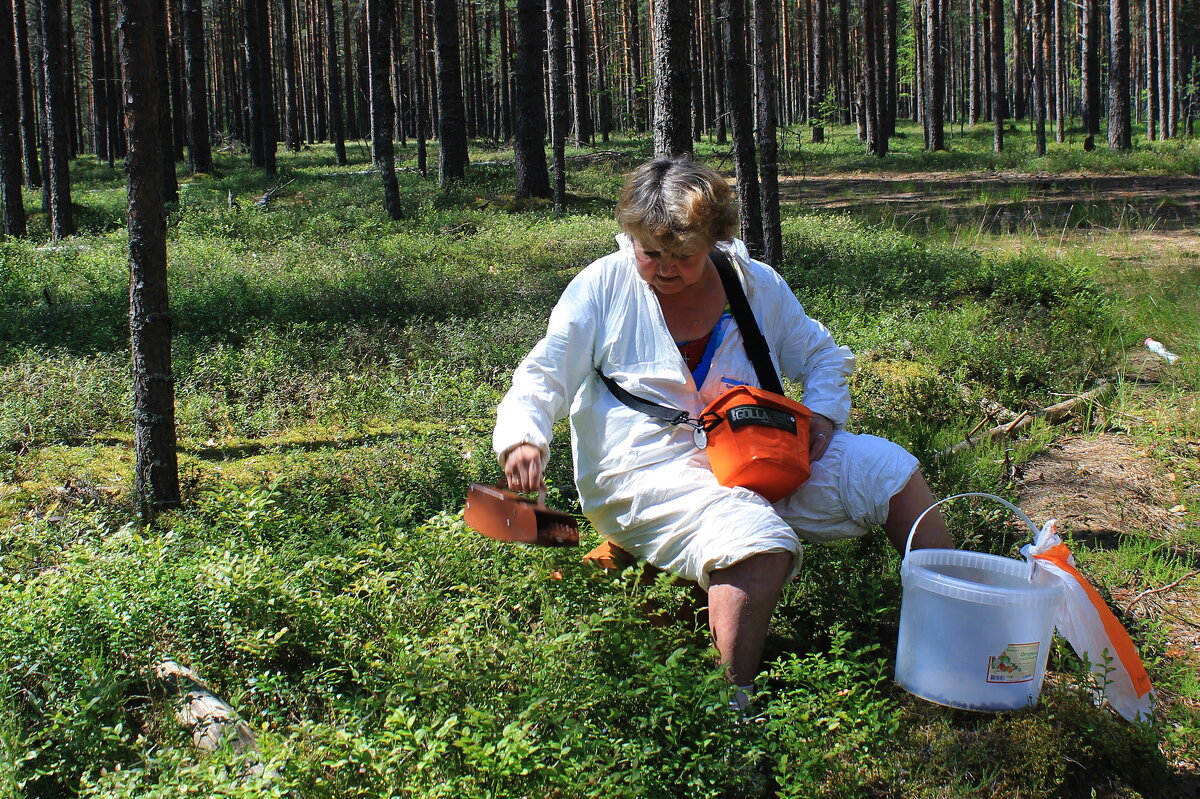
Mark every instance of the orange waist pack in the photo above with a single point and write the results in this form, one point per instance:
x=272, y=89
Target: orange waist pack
x=754, y=438
x=758, y=440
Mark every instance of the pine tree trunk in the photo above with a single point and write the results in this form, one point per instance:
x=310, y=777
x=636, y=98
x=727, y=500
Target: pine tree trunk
x=556, y=35
x=795, y=65
x=1060, y=77
x=973, y=93
x=477, y=96
x=380, y=21
x=920, y=56
x=70, y=71
x=270, y=117
x=935, y=78
x=741, y=110
x=99, y=73
x=178, y=101
x=985, y=59
x=1150, y=18
x=351, y=96
x=166, y=138
x=291, y=100
x=1120, y=133
x=29, y=128
x=468, y=33
x=116, y=133
x=452, y=127
x=672, y=84
x=1172, y=72
x=58, y=130
x=156, y=473
x=337, y=127
x=845, y=86
x=890, y=88
x=491, y=108
x=317, y=97
x=506, y=124
x=39, y=81
x=579, y=73
x=764, y=34
x=1090, y=72
x=1038, y=31
x=362, y=73
x=236, y=109
x=999, y=100
x=529, y=104
x=10, y=130
x=633, y=51
x=712, y=72
x=254, y=88
x=721, y=83
x=419, y=85
x=1164, y=82
x=303, y=61
x=695, y=78
x=404, y=109
x=873, y=80
x=199, y=148
x=397, y=78
x=817, y=105
x=1020, y=79
x=604, y=117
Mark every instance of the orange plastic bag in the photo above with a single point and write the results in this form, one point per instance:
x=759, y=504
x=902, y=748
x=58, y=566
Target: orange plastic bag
x=1094, y=632
x=758, y=440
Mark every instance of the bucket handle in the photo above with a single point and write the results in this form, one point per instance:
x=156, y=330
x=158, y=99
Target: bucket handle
x=1001, y=500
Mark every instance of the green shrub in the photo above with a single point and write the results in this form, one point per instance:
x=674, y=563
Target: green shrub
x=829, y=723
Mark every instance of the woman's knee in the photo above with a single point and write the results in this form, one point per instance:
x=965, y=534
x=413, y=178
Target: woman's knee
x=906, y=507
x=765, y=570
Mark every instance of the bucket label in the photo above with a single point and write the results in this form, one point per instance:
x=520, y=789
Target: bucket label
x=1015, y=664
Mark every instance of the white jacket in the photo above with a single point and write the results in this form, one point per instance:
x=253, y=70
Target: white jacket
x=609, y=319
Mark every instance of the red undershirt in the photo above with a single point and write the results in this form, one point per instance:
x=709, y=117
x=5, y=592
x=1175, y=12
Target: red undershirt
x=693, y=351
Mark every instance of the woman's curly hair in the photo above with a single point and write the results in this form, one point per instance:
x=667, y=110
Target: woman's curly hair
x=677, y=204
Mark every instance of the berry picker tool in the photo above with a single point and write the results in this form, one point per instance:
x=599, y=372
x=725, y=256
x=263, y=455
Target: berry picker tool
x=506, y=516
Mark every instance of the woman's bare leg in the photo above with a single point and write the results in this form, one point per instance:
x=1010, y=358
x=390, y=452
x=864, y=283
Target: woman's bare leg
x=741, y=599
x=905, y=507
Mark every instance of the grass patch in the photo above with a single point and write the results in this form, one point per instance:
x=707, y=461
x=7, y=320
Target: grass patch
x=336, y=373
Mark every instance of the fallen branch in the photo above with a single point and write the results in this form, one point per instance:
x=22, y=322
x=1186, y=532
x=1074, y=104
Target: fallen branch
x=371, y=171
x=1122, y=413
x=208, y=717
x=264, y=201
x=1160, y=589
x=1053, y=414
x=1008, y=428
x=976, y=428
x=994, y=410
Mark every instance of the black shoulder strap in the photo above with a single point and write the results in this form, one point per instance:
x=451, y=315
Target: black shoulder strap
x=670, y=415
x=756, y=345
x=752, y=338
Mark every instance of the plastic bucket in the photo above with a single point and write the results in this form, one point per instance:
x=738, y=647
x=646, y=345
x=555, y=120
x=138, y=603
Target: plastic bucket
x=975, y=629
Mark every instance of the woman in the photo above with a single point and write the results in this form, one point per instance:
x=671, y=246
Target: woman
x=653, y=317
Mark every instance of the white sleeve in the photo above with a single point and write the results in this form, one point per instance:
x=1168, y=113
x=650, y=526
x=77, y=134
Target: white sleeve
x=808, y=355
x=547, y=380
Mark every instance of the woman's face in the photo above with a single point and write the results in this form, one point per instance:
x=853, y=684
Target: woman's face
x=670, y=272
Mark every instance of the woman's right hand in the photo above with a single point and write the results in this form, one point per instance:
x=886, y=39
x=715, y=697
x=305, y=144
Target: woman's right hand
x=523, y=468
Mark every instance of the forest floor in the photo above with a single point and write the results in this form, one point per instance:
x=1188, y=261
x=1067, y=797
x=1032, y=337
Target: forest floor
x=1133, y=467
x=1104, y=486
x=1003, y=201
x=336, y=380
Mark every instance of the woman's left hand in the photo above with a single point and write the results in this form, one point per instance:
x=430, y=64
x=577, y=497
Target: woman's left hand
x=820, y=433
